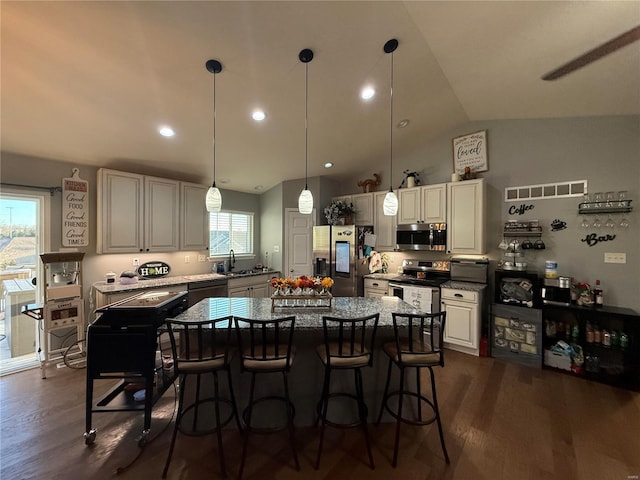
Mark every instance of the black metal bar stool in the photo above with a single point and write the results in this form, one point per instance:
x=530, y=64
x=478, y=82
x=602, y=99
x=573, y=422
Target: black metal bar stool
x=266, y=346
x=418, y=344
x=201, y=348
x=348, y=345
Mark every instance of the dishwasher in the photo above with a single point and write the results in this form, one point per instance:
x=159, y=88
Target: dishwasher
x=206, y=289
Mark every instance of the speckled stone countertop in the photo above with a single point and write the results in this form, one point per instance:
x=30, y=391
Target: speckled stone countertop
x=306, y=317
x=472, y=287
x=104, y=287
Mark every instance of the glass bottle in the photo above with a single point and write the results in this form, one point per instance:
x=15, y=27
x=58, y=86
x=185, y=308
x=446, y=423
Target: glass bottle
x=624, y=340
x=575, y=332
x=589, y=333
x=597, y=334
x=614, y=338
x=606, y=338
x=598, y=294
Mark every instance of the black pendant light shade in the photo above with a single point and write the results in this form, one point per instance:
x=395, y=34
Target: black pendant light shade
x=305, y=200
x=214, y=198
x=390, y=204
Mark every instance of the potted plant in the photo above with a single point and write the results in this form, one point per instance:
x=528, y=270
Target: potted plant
x=339, y=212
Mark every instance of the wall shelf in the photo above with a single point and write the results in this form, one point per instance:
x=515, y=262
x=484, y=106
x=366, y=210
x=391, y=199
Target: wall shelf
x=622, y=206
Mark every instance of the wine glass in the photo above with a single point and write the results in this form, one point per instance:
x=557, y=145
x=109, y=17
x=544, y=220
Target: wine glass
x=622, y=198
x=624, y=223
x=586, y=201
x=610, y=196
x=597, y=223
x=597, y=198
x=585, y=222
x=610, y=224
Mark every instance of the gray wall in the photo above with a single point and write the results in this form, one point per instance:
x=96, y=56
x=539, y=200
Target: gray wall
x=605, y=151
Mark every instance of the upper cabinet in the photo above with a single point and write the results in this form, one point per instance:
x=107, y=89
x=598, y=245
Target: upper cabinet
x=136, y=213
x=194, y=218
x=363, y=204
x=384, y=226
x=427, y=204
x=466, y=214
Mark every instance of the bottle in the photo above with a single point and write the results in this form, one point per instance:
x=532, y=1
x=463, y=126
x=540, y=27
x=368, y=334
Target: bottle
x=597, y=293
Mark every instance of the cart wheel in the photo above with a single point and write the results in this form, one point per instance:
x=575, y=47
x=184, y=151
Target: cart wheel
x=142, y=440
x=90, y=436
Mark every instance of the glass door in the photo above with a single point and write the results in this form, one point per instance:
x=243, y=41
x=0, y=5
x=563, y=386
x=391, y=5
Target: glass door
x=22, y=239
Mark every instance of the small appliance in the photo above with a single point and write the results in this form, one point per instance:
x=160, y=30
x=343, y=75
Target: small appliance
x=422, y=236
x=556, y=291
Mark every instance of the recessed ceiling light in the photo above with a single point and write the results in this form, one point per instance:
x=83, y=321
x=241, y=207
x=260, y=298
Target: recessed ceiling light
x=258, y=115
x=223, y=180
x=258, y=187
x=166, y=131
x=403, y=123
x=328, y=165
x=367, y=93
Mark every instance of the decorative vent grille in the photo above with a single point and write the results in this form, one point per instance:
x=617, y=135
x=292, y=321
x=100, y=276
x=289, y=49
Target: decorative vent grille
x=572, y=188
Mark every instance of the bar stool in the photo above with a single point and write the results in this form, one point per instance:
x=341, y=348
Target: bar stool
x=418, y=344
x=348, y=345
x=266, y=346
x=201, y=348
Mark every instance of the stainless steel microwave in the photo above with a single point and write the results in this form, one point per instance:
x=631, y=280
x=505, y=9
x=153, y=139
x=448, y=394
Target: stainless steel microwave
x=422, y=236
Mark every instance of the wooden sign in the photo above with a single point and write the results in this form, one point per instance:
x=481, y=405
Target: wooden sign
x=154, y=270
x=470, y=151
x=75, y=211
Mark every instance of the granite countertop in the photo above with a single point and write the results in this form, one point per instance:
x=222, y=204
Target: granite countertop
x=143, y=284
x=306, y=317
x=472, y=287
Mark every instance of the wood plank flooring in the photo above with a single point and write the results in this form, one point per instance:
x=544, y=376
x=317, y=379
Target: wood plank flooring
x=500, y=421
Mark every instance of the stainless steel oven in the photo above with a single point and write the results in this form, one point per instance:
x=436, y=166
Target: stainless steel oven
x=427, y=299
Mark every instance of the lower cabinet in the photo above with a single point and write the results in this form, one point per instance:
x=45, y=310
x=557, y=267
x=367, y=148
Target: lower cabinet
x=600, y=344
x=375, y=288
x=516, y=334
x=463, y=322
x=252, y=287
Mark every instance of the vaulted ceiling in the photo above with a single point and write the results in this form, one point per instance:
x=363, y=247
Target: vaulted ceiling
x=90, y=82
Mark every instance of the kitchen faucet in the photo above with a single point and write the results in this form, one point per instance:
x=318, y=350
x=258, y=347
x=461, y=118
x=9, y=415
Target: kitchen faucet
x=232, y=259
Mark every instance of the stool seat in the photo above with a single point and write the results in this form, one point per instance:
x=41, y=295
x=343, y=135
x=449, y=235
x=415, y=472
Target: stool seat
x=418, y=344
x=348, y=345
x=271, y=362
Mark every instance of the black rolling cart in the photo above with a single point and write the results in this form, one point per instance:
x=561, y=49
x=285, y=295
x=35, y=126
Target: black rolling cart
x=123, y=344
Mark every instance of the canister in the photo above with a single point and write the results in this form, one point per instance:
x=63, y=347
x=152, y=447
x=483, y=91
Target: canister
x=551, y=269
x=110, y=277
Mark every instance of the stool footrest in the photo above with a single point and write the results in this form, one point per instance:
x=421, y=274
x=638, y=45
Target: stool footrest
x=405, y=419
x=196, y=433
x=354, y=424
x=245, y=415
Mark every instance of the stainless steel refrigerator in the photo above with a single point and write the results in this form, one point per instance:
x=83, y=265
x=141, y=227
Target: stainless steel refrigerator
x=338, y=252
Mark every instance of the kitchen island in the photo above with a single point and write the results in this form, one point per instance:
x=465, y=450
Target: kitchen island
x=305, y=379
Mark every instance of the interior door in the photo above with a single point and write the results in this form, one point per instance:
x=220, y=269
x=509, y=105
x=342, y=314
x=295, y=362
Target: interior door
x=299, y=243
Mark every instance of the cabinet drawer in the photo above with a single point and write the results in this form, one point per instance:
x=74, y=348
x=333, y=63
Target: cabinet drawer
x=461, y=295
x=376, y=284
x=250, y=281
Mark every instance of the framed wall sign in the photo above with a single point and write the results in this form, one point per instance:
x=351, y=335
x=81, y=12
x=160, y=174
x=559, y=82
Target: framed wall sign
x=470, y=151
x=75, y=211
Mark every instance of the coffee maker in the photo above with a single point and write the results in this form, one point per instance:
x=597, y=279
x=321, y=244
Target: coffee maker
x=556, y=291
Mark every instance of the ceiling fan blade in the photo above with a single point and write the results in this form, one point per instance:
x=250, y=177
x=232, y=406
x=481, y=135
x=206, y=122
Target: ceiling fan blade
x=592, y=55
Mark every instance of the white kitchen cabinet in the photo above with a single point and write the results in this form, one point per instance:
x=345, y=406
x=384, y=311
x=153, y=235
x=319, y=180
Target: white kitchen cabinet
x=426, y=204
x=251, y=287
x=384, y=226
x=136, y=213
x=363, y=204
x=466, y=216
x=194, y=218
x=376, y=288
x=463, y=322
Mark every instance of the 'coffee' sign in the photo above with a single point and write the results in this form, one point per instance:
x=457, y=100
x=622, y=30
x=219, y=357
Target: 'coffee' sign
x=153, y=270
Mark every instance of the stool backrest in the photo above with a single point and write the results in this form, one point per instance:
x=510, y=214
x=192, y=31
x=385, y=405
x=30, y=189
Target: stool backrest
x=265, y=343
x=419, y=337
x=349, y=337
x=194, y=343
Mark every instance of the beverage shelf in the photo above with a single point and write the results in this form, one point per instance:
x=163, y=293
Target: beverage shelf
x=622, y=206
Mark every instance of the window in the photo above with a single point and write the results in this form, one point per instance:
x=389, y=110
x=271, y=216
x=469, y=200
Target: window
x=230, y=231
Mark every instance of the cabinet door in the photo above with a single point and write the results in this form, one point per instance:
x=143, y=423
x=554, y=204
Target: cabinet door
x=434, y=203
x=120, y=212
x=461, y=324
x=409, y=205
x=383, y=226
x=363, y=203
x=466, y=217
x=238, y=292
x=162, y=211
x=194, y=218
x=260, y=290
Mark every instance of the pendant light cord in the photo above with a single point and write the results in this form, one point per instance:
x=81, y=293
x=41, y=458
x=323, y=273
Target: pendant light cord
x=306, y=122
x=214, y=130
x=391, y=130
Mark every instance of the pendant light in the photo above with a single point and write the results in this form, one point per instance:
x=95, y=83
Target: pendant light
x=305, y=200
x=390, y=204
x=214, y=199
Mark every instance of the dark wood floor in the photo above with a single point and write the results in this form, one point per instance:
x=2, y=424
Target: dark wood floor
x=501, y=421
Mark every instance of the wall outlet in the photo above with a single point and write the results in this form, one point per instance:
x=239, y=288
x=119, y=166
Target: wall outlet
x=187, y=259
x=615, y=258
x=276, y=248
x=136, y=262
x=202, y=258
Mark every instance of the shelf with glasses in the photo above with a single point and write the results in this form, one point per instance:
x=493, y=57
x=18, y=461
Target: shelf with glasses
x=590, y=208
x=524, y=233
